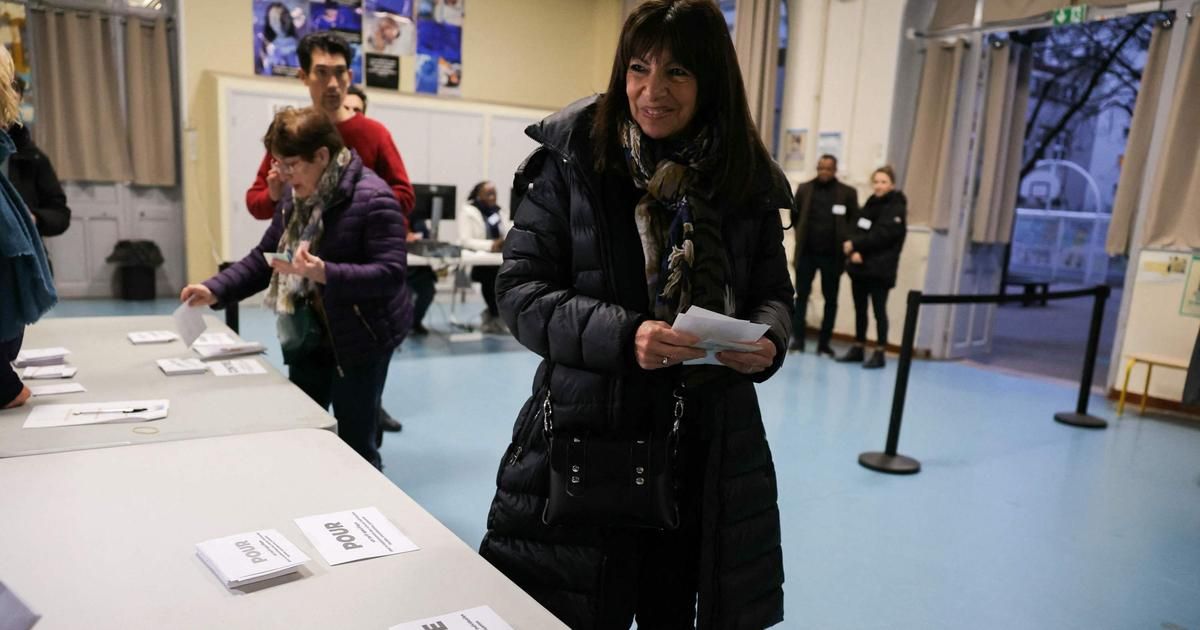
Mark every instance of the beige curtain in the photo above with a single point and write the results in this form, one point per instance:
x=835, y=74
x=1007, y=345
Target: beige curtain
x=926, y=180
x=1173, y=216
x=951, y=13
x=1137, y=145
x=151, y=114
x=80, y=124
x=1003, y=144
x=756, y=39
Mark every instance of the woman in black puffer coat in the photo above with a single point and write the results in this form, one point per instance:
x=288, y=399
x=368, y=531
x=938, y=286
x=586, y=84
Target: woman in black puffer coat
x=665, y=167
x=873, y=251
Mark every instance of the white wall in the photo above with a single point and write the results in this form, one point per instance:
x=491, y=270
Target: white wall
x=1154, y=325
x=841, y=70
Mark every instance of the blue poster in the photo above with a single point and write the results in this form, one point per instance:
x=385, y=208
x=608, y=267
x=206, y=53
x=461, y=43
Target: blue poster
x=278, y=27
x=395, y=7
x=439, y=58
x=344, y=17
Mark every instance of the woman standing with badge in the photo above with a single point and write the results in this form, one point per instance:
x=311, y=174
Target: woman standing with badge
x=873, y=252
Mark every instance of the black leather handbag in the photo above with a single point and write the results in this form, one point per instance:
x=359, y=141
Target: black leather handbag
x=301, y=332
x=611, y=482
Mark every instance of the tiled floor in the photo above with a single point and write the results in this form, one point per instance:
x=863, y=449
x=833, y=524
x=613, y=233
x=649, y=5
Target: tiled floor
x=1015, y=522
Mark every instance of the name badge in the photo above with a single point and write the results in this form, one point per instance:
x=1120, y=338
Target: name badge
x=864, y=223
x=839, y=210
x=494, y=219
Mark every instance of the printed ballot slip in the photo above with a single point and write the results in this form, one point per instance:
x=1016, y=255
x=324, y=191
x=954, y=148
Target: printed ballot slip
x=479, y=618
x=144, y=337
x=352, y=535
x=251, y=557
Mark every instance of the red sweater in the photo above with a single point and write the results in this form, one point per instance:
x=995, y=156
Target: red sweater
x=374, y=145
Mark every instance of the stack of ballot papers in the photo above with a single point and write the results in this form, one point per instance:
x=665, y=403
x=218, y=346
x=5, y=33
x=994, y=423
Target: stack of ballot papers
x=41, y=356
x=45, y=416
x=151, y=336
x=718, y=333
x=474, y=619
x=251, y=557
x=49, y=371
x=176, y=367
x=224, y=351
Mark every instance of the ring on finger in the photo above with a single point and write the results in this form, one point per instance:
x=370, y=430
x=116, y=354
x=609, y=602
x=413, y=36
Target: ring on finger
x=666, y=361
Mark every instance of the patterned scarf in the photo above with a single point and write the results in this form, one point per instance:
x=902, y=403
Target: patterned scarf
x=306, y=223
x=680, y=230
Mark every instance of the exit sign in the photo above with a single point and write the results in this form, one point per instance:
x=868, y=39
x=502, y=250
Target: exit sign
x=1070, y=15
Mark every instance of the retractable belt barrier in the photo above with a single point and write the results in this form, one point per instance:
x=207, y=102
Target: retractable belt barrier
x=889, y=461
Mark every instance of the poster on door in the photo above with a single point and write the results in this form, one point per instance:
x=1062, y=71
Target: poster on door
x=278, y=27
x=439, y=46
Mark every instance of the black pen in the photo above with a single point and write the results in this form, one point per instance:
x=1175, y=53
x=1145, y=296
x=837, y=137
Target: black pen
x=80, y=413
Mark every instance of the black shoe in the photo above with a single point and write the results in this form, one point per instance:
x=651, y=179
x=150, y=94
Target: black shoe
x=876, y=361
x=796, y=346
x=418, y=331
x=388, y=423
x=824, y=349
x=853, y=355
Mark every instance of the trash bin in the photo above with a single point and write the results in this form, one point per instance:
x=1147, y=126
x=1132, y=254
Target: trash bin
x=137, y=262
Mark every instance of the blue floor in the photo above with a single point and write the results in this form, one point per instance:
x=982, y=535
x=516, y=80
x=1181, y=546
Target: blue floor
x=1015, y=521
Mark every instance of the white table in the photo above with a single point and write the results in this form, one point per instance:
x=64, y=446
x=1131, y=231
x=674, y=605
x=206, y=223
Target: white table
x=112, y=368
x=106, y=539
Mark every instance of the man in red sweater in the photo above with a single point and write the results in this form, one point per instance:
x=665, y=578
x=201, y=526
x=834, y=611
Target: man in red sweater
x=324, y=68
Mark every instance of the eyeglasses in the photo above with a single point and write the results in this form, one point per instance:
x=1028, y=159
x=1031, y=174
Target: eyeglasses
x=283, y=168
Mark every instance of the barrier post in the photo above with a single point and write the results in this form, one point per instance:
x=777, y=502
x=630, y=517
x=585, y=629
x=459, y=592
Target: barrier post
x=889, y=461
x=1080, y=417
x=231, y=309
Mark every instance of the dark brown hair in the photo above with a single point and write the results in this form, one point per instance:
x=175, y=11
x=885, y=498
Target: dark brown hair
x=300, y=132
x=695, y=34
x=886, y=169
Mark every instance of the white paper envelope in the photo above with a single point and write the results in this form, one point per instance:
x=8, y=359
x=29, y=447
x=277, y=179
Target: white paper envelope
x=52, y=390
x=189, y=323
x=45, y=416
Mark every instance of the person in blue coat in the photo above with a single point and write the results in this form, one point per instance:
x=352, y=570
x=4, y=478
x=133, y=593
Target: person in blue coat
x=26, y=286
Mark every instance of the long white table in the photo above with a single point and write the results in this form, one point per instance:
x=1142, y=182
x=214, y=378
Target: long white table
x=106, y=539
x=111, y=368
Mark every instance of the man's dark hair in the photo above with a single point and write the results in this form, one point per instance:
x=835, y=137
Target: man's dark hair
x=357, y=91
x=695, y=34
x=831, y=158
x=327, y=41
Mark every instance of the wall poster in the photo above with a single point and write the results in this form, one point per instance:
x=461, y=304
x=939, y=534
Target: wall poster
x=389, y=33
x=439, y=46
x=278, y=27
x=1190, y=305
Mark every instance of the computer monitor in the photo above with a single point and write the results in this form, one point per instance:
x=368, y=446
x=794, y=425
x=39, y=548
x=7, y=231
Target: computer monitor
x=434, y=203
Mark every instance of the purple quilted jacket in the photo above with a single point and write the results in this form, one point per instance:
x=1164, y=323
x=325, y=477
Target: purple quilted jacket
x=365, y=296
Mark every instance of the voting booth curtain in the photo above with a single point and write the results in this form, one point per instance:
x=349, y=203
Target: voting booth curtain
x=83, y=123
x=1009, y=69
x=927, y=178
x=756, y=40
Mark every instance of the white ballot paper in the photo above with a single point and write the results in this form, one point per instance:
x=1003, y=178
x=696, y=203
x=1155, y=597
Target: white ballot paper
x=208, y=352
x=481, y=618
x=152, y=336
x=189, y=323
x=216, y=339
x=718, y=332
x=43, y=416
x=237, y=367
x=251, y=557
x=49, y=371
x=51, y=390
x=176, y=367
x=354, y=535
x=40, y=356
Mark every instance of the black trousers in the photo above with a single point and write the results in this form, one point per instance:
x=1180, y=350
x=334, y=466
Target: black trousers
x=486, y=277
x=422, y=282
x=807, y=266
x=10, y=383
x=353, y=394
x=877, y=294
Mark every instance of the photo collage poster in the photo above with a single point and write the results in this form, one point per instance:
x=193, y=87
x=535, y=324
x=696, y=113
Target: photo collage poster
x=389, y=35
x=380, y=32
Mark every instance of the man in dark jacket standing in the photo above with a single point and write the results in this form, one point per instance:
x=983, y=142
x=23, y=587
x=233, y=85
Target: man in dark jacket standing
x=824, y=212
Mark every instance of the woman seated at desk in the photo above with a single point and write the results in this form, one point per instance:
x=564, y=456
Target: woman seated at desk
x=335, y=276
x=482, y=228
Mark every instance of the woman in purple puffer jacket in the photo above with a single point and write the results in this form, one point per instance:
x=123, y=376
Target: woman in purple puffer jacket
x=333, y=265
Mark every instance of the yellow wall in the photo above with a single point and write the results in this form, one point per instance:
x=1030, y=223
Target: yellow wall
x=533, y=53
x=1154, y=325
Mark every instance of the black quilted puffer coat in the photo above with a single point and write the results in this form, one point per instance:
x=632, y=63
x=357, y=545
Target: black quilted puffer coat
x=569, y=293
